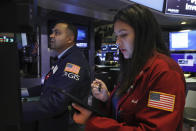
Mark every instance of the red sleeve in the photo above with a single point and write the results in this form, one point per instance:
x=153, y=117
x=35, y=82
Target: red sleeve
x=148, y=118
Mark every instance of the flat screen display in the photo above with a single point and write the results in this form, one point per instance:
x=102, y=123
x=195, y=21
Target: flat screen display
x=154, y=4
x=6, y=38
x=24, y=39
x=182, y=41
x=187, y=61
x=82, y=38
x=110, y=48
x=110, y=52
x=181, y=7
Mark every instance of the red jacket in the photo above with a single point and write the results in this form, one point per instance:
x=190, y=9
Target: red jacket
x=154, y=102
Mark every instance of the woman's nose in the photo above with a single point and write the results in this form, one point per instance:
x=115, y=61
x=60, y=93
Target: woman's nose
x=118, y=42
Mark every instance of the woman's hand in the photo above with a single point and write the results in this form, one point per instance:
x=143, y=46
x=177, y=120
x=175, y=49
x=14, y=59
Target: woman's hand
x=83, y=116
x=99, y=90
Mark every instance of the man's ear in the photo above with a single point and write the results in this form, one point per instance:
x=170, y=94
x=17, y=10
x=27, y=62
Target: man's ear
x=70, y=39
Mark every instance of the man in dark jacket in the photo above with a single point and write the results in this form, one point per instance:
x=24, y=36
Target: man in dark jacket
x=71, y=74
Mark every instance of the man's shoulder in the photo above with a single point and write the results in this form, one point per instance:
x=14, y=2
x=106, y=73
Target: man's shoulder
x=75, y=56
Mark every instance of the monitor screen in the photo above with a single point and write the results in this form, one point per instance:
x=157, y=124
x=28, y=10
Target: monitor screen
x=182, y=41
x=82, y=34
x=109, y=47
x=82, y=45
x=187, y=61
x=181, y=7
x=154, y=4
x=21, y=40
x=104, y=47
x=101, y=56
x=116, y=58
x=24, y=39
x=110, y=52
x=82, y=38
x=112, y=48
x=6, y=38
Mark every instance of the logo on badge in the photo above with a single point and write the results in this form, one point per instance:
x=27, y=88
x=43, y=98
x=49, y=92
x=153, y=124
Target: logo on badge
x=72, y=68
x=134, y=101
x=71, y=75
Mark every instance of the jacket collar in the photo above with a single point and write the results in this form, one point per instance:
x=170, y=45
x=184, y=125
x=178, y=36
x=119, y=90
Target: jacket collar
x=69, y=51
x=62, y=53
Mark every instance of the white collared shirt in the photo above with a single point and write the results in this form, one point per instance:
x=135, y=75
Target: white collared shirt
x=61, y=54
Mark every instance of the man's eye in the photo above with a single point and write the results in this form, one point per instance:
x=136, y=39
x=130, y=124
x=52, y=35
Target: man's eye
x=57, y=33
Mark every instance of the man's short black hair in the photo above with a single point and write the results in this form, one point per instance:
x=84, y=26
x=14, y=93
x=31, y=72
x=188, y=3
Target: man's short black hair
x=71, y=27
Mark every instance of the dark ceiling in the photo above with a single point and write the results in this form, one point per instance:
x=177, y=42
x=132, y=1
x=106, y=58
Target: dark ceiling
x=105, y=10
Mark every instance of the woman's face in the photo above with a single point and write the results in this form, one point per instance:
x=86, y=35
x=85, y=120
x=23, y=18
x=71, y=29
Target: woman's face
x=125, y=36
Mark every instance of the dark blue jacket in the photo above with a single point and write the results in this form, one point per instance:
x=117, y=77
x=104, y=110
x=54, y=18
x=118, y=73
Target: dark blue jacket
x=71, y=73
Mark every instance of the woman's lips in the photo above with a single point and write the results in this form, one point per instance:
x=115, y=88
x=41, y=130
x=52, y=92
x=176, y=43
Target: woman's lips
x=122, y=50
x=52, y=41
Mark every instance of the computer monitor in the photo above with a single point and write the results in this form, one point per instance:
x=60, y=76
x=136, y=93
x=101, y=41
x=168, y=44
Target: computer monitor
x=112, y=48
x=10, y=110
x=182, y=40
x=181, y=7
x=110, y=52
x=21, y=40
x=6, y=38
x=187, y=61
x=82, y=38
x=24, y=39
x=154, y=4
x=109, y=48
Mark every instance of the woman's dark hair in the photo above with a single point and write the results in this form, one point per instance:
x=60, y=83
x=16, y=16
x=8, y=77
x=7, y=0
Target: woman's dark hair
x=147, y=39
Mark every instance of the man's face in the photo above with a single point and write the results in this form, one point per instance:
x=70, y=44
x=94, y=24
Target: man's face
x=61, y=38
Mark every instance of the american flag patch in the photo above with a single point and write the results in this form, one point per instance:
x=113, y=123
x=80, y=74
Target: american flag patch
x=72, y=68
x=161, y=100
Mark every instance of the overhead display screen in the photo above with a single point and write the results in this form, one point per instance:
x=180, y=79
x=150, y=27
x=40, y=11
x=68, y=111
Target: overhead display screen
x=154, y=4
x=181, y=7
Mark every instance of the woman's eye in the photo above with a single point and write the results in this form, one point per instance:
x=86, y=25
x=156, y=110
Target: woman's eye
x=120, y=36
x=123, y=35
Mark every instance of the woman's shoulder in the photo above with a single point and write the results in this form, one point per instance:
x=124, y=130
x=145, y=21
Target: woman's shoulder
x=163, y=62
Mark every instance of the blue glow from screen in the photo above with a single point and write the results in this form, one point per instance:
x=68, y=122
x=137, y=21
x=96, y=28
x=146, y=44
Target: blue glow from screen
x=154, y=4
x=182, y=41
x=187, y=61
x=81, y=34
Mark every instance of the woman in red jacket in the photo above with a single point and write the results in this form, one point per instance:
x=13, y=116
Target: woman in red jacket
x=151, y=90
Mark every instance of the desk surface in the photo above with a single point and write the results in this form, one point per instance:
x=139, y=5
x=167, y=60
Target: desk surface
x=115, y=69
x=107, y=66
x=190, y=79
x=28, y=99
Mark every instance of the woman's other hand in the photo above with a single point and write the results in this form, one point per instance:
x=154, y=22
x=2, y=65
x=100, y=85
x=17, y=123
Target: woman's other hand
x=83, y=116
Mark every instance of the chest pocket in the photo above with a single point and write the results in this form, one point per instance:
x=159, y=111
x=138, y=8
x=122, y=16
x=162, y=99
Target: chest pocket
x=134, y=102
x=129, y=107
